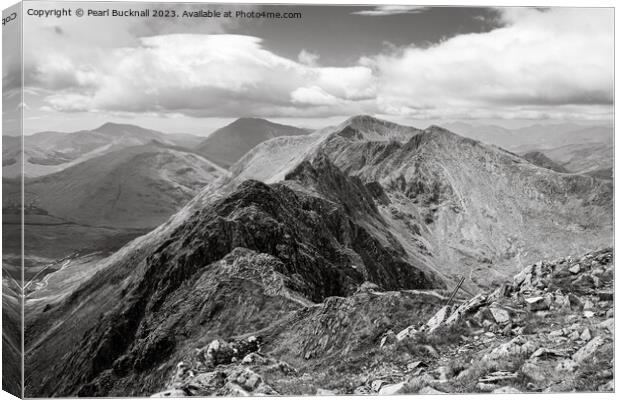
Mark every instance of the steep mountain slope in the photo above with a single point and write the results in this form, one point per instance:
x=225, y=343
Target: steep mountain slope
x=540, y=159
x=137, y=187
x=11, y=337
x=475, y=209
x=227, y=145
x=319, y=243
x=305, y=261
x=49, y=152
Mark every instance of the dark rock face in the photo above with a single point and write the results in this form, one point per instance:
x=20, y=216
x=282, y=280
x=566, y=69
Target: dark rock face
x=353, y=244
x=315, y=243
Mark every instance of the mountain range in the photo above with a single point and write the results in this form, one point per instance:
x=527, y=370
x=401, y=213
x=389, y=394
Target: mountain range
x=569, y=147
x=285, y=246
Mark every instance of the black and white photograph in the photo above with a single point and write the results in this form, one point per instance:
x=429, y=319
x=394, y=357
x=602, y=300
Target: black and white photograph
x=228, y=199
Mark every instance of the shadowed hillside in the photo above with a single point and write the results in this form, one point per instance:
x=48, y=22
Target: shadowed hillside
x=228, y=144
x=355, y=231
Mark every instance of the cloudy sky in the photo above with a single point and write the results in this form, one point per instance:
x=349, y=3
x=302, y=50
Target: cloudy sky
x=408, y=64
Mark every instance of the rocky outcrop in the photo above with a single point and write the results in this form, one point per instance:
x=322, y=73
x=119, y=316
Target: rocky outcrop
x=479, y=350
x=338, y=268
x=469, y=209
x=297, y=245
x=500, y=343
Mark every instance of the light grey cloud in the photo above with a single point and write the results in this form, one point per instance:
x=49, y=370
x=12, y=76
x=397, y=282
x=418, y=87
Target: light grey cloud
x=380, y=11
x=555, y=62
x=539, y=60
x=214, y=75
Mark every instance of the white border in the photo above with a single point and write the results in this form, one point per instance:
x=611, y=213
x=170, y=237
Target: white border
x=484, y=3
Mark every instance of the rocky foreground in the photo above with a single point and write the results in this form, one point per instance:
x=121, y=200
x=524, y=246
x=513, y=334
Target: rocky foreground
x=550, y=330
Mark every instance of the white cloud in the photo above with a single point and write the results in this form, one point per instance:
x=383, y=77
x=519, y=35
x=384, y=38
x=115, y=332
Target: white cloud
x=547, y=64
x=313, y=95
x=308, y=58
x=207, y=75
x=540, y=60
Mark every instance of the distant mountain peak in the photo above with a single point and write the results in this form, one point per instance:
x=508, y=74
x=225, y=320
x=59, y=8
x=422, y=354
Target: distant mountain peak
x=253, y=122
x=227, y=145
x=368, y=128
x=366, y=121
x=437, y=128
x=251, y=119
x=115, y=125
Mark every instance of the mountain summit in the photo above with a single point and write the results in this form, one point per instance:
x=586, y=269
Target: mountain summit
x=367, y=128
x=227, y=145
x=353, y=233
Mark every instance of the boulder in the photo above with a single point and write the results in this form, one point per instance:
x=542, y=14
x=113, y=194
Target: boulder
x=171, y=393
x=586, y=335
x=416, y=365
x=539, y=371
x=396, y=388
x=588, y=350
x=608, y=324
x=500, y=315
x=470, y=306
x=205, y=384
x=519, y=346
x=562, y=301
x=575, y=302
x=584, y=281
x=505, y=390
x=232, y=390
x=498, y=376
x=575, y=269
x=588, y=314
x=246, y=378
x=485, y=387
x=388, y=338
x=215, y=353
x=377, y=384
x=405, y=333
x=549, y=353
x=442, y=373
x=438, y=319
x=254, y=358
x=538, y=303
x=566, y=365
x=608, y=387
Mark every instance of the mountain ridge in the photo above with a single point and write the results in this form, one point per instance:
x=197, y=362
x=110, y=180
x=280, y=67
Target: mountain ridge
x=338, y=222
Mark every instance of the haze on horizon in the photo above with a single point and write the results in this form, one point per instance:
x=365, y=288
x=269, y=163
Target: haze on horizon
x=412, y=65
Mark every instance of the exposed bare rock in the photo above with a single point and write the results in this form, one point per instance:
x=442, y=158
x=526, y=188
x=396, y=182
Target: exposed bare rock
x=588, y=350
x=396, y=388
x=322, y=269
